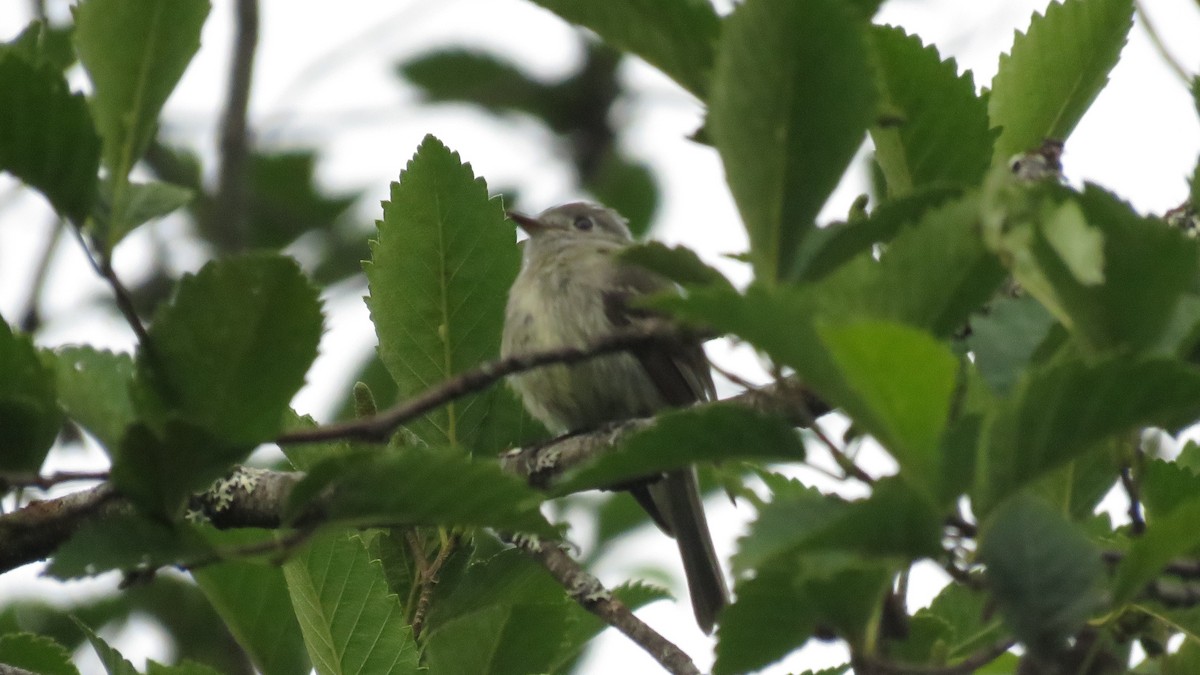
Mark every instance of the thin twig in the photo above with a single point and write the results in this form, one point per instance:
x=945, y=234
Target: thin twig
x=11, y=480
x=380, y=427
x=31, y=317
x=586, y=590
x=965, y=667
x=1161, y=46
x=228, y=214
x=282, y=548
x=121, y=295
x=1137, y=523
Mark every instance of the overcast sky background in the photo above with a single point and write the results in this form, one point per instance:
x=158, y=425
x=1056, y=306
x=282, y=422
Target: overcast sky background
x=324, y=78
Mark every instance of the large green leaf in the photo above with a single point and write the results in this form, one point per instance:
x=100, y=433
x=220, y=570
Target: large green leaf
x=1172, y=534
x=1005, y=339
x=1054, y=72
x=676, y=36
x=112, y=660
x=935, y=128
x=792, y=95
x=232, y=348
x=1044, y=573
x=93, y=388
x=253, y=601
x=35, y=654
x=680, y=438
x=439, y=276
x=128, y=543
x=1060, y=411
x=29, y=413
x=351, y=622
x=46, y=134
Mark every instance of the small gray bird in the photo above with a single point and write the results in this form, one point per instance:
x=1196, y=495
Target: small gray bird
x=573, y=289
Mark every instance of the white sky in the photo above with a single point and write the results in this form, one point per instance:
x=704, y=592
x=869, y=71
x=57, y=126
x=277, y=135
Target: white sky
x=324, y=78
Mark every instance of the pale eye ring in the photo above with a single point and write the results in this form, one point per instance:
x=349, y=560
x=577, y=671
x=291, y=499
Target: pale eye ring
x=583, y=223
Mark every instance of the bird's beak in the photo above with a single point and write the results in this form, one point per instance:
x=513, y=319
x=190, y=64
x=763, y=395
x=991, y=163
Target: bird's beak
x=530, y=225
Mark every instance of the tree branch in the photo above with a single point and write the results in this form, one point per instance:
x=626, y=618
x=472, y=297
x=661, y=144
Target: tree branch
x=965, y=667
x=228, y=213
x=587, y=590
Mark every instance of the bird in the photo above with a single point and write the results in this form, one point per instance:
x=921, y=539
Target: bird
x=573, y=289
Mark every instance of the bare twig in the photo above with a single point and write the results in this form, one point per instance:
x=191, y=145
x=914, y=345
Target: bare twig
x=11, y=480
x=586, y=590
x=124, y=300
x=1137, y=523
x=965, y=667
x=31, y=317
x=228, y=214
x=1156, y=39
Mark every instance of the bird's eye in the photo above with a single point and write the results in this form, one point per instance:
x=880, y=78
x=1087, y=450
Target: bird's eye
x=583, y=223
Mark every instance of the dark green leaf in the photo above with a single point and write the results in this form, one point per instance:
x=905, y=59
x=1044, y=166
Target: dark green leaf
x=629, y=187
x=337, y=592
x=1173, y=534
x=42, y=44
x=1165, y=485
x=253, y=601
x=184, y=668
x=1055, y=70
x=439, y=276
x=419, y=486
x=233, y=346
x=894, y=521
x=1045, y=573
x=158, y=469
x=967, y=614
x=1060, y=411
x=29, y=414
x=676, y=36
x=935, y=128
x=111, y=659
x=142, y=202
x=471, y=77
x=680, y=438
x=679, y=264
x=1005, y=339
x=781, y=607
x=93, y=388
x=35, y=654
x=134, y=52
x=46, y=135
x=128, y=542
x=792, y=95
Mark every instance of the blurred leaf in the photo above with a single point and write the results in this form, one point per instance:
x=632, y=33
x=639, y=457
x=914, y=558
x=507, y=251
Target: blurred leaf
x=792, y=95
x=629, y=187
x=680, y=438
x=1005, y=339
x=284, y=202
x=1054, y=71
x=29, y=414
x=143, y=202
x=42, y=44
x=1060, y=411
x=779, y=609
x=939, y=134
x=439, y=276
x=304, y=456
x=253, y=602
x=971, y=622
x=93, y=388
x=1044, y=573
x=337, y=590
x=1165, y=485
x=587, y=626
x=35, y=654
x=903, y=381
x=458, y=75
x=1077, y=487
x=158, y=469
x=678, y=263
x=184, y=668
x=1173, y=534
x=894, y=521
x=420, y=486
x=254, y=318
x=46, y=135
x=675, y=36
x=111, y=659
x=127, y=543
x=134, y=51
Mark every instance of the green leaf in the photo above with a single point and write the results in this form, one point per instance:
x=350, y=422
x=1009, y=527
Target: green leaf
x=351, y=623
x=1005, y=339
x=134, y=51
x=936, y=129
x=142, y=202
x=284, y=201
x=792, y=95
x=464, y=76
x=232, y=347
x=35, y=654
x=439, y=277
x=110, y=658
x=29, y=413
x=47, y=139
x=184, y=668
x=252, y=599
x=969, y=617
x=903, y=381
x=93, y=388
x=1045, y=574
x=125, y=542
x=42, y=44
x=420, y=486
x=783, y=605
x=628, y=186
x=1060, y=411
x=1165, y=485
x=678, y=263
x=894, y=521
x=1171, y=535
x=1054, y=72
x=158, y=469
x=675, y=36
x=680, y=438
